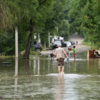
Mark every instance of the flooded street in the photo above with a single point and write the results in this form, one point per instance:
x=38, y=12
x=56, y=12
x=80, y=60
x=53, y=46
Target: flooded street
x=38, y=79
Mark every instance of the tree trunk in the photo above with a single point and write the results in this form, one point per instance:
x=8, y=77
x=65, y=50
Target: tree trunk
x=27, y=52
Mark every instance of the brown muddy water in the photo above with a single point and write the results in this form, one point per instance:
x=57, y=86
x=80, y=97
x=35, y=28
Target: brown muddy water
x=38, y=79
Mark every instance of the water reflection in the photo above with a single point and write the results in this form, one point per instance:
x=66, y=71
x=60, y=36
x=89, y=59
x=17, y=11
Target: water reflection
x=36, y=66
x=27, y=67
x=59, y=95
x=15, y=89
x=49, y=63
x=75, y=84
x=16, y=74
x=74, y=66
x=16, y=66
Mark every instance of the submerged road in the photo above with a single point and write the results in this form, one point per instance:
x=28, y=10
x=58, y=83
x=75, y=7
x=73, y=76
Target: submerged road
x=38, y=79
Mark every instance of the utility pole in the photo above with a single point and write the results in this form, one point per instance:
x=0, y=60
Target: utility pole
x=16, y=42
x=49, y=38
x=16, y=51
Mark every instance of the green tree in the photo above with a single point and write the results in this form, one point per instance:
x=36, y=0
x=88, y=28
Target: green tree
x=28, y=16
x=85, y=17
x=63, y=29
x=34, y=16
x=52, y=23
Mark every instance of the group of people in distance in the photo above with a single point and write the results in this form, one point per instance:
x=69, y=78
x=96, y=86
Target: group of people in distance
x=60, y=56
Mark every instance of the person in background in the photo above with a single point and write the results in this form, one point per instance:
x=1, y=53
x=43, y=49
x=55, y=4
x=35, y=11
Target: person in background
x=74, y=52
x=60, y=56
x=76, y=42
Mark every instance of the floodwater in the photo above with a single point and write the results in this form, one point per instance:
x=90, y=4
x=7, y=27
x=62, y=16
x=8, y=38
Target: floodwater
x=38, y=79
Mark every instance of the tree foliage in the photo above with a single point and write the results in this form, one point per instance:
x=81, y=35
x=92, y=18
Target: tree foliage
x=63, y=29
x=85, y=18
x=30, y=16
x=52, y=23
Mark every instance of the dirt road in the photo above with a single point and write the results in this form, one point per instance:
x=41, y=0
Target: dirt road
x=80, y=48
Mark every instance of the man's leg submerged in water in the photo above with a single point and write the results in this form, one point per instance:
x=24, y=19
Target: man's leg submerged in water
x=58, y=65
x=62, y=65
x=59, y=69
x=61, y=60
x=62, y=68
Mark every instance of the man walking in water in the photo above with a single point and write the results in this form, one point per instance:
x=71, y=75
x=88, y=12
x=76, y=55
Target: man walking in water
x=59, y=53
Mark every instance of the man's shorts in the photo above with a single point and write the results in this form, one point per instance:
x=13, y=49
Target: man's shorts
x=60, y=61
x=74, y=54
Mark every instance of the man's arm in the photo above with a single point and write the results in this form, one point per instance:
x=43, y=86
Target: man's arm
x=54, y=55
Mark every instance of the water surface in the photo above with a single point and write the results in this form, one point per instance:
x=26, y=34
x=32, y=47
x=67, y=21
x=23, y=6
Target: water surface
x=38, y=79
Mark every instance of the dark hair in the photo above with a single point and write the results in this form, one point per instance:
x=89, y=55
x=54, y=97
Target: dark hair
x=73, y=46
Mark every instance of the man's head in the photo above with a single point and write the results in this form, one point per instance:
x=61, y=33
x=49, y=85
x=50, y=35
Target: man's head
x=59, y=45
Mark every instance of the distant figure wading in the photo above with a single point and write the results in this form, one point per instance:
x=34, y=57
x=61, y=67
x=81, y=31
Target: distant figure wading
x=59, y=53
x=74, y=52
